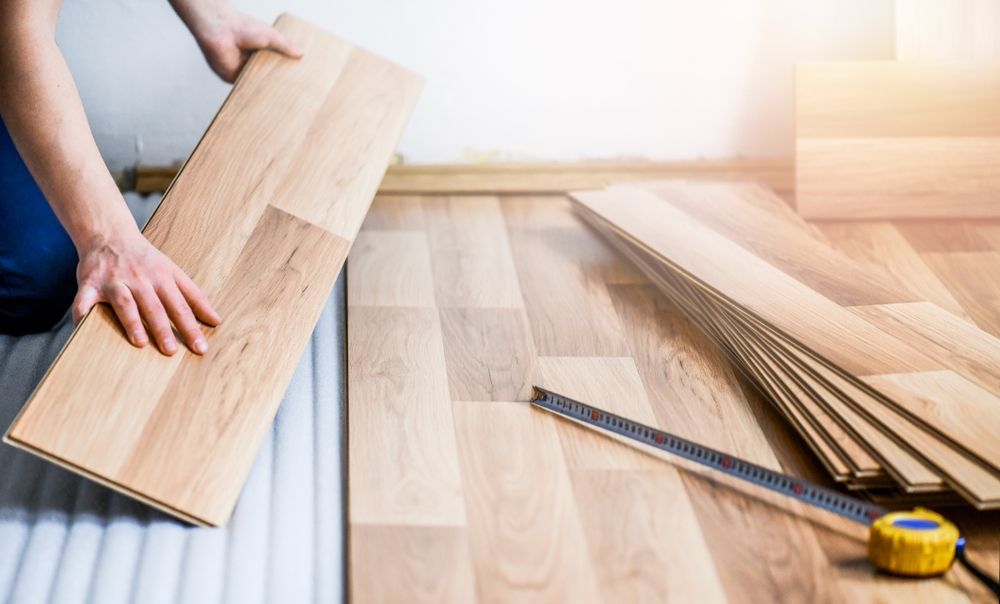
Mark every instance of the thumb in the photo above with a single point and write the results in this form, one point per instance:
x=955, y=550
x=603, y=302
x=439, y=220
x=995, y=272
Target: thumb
x=277, y=41
x=85, y=299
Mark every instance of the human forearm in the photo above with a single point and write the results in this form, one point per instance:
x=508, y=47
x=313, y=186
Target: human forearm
x=42, y=110
x=43, y=113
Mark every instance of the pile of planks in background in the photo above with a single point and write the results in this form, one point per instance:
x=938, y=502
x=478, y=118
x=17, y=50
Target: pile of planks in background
x=895, y=394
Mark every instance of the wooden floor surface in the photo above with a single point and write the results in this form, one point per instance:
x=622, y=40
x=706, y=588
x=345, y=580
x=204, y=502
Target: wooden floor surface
x=261, y=217
x=456, y=305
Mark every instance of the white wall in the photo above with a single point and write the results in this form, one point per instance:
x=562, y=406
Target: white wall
x=507, y=79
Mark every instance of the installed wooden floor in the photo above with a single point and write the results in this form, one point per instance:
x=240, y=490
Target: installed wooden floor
x=458, y=304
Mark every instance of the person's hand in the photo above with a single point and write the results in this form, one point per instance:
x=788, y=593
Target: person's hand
x=146, y=289
x=227, y=37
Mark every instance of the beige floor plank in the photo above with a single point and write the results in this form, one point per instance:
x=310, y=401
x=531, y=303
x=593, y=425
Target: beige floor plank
x=882, y=244
x=402, y=453
x=525, y=537
x=644, y=538
x=962, y=273
x=390, y=268
x=472, y=262
x=432, y=566
x=489, y=353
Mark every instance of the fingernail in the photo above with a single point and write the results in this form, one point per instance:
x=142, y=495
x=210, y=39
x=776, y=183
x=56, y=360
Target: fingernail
x=200, y=346
x=170, y=345
x=139, y=338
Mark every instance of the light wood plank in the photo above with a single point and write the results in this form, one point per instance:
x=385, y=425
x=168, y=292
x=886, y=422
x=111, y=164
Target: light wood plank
x=402, y=440
x=651, y=549
x=879, y=139
x=544, y=267
x=610, y=383
x=882, y=244
x=534, y=548
x=864, y=178
x=433, y=565
x=180, y=433
x=196, y=455
x=390, y=268
x=963, y=273
x=489, y=353
x=473, y=267
x=890, y=99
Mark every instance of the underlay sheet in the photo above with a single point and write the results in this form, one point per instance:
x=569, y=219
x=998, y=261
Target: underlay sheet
x=64, y=539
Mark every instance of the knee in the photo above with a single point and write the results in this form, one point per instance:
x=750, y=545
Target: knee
x=36, y=295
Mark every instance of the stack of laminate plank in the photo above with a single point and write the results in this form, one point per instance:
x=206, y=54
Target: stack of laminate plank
x=895, y=395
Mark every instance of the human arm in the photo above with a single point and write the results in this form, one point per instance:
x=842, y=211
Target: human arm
x=227, y=36
x=42, y=110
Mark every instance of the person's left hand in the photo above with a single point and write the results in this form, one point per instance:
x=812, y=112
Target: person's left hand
x=227, y=37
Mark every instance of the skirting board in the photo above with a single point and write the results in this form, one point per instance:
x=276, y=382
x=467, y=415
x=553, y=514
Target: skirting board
x=265, y=236
x=543, y=177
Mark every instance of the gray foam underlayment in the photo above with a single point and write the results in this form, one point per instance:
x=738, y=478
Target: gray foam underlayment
x=64, y=539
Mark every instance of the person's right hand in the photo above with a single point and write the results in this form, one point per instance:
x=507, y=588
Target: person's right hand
x=146, y=289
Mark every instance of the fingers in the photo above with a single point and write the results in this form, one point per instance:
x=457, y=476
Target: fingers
x=199, y=303
x=156, y=317
x=120, y=297
x=180, y=313
x=278, y=42
x=85, y=299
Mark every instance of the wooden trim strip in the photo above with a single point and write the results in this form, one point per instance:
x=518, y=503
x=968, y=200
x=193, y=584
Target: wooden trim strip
x=542, y=177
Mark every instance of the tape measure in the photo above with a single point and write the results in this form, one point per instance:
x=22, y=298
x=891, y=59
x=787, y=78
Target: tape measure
x=918, y=543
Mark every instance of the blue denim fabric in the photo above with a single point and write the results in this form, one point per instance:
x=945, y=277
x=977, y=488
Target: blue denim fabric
x=37, y=258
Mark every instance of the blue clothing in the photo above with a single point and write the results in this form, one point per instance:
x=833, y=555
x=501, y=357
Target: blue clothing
x=37, y=257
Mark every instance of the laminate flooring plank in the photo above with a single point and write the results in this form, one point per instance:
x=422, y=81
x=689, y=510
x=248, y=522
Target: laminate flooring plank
x=691, y=386
x=611, y=383
x=651, y=548
x=806, y=315
x=196, y=455
x=760, y=222
x=564, y=296
x=402, y=454
x=785, y=563
x=395, y=213
x=390, y=268
x=525, y=536
x=965, y=349
x=472, y=261
x=362, y=119
x=776, y=391
x=431, y=564
x=169, y=431
x=756, y=219
x=963, y=273
x=975, y=483
x=943, y=236
x=913, y=472
x=936, y=393
x=819, y=423
x=490, y=354
x=881, y=243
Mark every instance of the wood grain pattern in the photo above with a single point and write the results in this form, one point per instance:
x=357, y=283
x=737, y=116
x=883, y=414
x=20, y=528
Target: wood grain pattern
x=880, y=139
x=544, y=510
x=882, y=244
x=397, y=358
x=741, y=262
x=265, y=237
